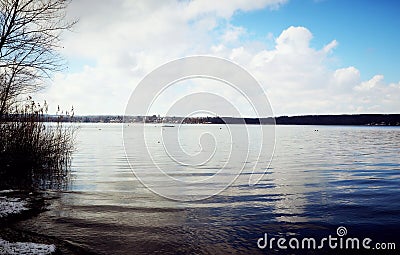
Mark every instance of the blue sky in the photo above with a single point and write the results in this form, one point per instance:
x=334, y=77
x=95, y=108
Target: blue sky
x=309, y=56
x=367, y=31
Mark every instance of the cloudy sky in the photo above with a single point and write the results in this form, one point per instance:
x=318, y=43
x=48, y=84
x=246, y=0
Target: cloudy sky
x=310, y=56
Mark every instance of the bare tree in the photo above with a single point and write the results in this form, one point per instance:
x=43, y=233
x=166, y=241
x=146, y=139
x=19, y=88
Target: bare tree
x=30, y=37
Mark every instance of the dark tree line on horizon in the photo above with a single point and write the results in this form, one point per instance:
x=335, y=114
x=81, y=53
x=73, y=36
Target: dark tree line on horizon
x=345, y=119
x=355, y=119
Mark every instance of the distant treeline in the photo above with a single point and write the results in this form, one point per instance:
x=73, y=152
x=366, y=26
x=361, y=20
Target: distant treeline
x=355, y=119
x=359, y=119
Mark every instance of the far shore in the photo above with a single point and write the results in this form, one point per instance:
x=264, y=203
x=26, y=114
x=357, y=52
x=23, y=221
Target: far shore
x=344, y=119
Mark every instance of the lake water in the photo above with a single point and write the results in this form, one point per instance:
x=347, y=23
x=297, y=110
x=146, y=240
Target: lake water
x=320, y=178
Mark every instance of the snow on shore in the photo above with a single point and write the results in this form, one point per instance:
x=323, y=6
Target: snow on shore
x=25, y=248
x=9, y=206
x=6, y=191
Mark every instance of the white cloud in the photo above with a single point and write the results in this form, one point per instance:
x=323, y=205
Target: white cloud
x=232, y=34
x=299, y=80
x=374, y=83
x=226, y=8
x=294, y=40
x=349, y=75
x=330, y=46
x=124, y=43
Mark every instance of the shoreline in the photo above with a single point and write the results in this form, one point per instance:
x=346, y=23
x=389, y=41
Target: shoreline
x=13, y=235
x=333, y=119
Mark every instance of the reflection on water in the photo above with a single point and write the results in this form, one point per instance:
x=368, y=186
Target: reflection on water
x=317, y=181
